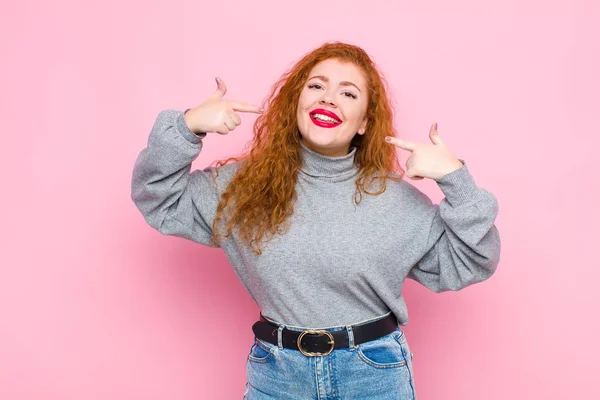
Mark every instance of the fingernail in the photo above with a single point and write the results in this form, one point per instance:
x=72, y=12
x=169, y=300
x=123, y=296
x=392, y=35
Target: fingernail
x=388, y=139
x=436, y=126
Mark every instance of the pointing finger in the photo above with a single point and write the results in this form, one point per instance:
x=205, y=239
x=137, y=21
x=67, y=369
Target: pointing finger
x=245, y=107
x=403, y=144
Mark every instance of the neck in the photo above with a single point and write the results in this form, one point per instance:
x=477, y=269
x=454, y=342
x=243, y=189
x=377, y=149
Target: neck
x=320, y=165
x=337, y=152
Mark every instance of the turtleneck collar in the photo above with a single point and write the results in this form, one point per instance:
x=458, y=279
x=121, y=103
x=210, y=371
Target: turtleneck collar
x=332, y=168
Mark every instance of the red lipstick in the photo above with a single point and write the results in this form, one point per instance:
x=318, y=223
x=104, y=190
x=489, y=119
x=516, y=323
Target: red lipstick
x=325, y=124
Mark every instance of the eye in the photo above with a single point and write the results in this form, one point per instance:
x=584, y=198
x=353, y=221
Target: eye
x=350, y=94
x=314, y=85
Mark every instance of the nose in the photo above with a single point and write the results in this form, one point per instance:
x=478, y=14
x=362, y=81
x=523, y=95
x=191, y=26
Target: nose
x=327, y=99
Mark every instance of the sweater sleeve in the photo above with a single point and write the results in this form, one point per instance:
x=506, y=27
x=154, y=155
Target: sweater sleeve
x=462, y=243
x=172, y=199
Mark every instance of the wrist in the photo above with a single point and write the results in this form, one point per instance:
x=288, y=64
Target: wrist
x=455, y=166
x=187, y=122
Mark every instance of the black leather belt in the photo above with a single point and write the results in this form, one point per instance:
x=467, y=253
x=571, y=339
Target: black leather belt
x=321, y=342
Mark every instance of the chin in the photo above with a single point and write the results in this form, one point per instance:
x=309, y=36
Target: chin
x=319, y=142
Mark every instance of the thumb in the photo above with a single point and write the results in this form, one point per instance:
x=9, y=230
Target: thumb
x=221, y=89
x=434, y=135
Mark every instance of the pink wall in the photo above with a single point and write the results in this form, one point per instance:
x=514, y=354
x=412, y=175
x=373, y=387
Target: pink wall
x=95, y=304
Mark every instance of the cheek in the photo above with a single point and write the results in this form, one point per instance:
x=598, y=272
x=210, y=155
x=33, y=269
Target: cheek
x=356, y=110
x=301, y=113
x=354, y=113
x=305, y=100
x=302, y=116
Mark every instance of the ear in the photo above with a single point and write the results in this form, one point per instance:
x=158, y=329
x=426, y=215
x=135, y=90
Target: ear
x=363, y=127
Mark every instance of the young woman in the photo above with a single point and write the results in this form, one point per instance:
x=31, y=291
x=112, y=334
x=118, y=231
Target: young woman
x=319, y=224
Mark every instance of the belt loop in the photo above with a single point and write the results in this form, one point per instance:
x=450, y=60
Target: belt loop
x=279, y=336
x=350, y=337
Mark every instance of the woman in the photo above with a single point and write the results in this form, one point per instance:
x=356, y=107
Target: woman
x=317, y=226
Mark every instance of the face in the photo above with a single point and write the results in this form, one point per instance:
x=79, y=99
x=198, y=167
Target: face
x=332, y=107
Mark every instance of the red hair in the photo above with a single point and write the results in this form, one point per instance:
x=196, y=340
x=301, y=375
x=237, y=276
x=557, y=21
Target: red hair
x=261, y=195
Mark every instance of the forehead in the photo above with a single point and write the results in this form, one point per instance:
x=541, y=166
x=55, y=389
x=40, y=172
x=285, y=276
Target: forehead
x=338, y=71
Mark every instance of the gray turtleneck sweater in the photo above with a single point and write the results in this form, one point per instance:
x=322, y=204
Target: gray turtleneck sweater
x=338, y=263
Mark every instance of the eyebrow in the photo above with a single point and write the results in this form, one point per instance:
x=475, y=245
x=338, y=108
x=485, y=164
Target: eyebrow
x=326, y=79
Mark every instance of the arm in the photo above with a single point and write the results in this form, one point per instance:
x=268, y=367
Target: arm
x=463, y=244
x=171, y=199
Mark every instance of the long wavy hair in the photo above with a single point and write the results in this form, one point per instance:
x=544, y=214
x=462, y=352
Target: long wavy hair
x=261, y=195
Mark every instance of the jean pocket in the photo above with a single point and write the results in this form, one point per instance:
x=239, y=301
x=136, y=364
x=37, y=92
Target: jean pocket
x=384, y=352
x=260, y=351
x=401, y=339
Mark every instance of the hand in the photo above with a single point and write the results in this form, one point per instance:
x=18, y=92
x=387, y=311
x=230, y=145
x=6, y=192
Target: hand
x=427, y=160
x=216, y=114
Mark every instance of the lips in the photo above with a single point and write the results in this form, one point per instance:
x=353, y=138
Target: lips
x=322, y=123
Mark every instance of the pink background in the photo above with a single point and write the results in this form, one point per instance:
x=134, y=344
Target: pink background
x=95, y=304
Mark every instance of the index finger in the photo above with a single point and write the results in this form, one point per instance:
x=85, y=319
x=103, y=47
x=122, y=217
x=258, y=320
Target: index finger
x=245, y=107
x=403, y=144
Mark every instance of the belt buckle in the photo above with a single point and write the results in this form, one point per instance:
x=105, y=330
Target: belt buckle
x=310, y=353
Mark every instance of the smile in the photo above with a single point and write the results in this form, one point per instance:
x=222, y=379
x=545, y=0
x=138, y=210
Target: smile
x=325, y=118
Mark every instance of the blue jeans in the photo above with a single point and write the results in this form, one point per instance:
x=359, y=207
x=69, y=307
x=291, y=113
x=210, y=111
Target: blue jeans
x=380, y=369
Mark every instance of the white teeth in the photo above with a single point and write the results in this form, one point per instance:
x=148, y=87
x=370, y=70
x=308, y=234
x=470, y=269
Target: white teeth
x=325, y=118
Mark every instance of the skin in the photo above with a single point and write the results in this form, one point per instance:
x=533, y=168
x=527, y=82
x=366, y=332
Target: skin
x=217, y=114
x=427, y=160
x=339, y=87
